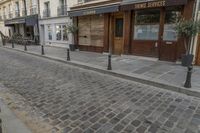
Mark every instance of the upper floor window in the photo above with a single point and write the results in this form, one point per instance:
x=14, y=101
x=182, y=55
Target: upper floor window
x=46, y=12
x=17, y=6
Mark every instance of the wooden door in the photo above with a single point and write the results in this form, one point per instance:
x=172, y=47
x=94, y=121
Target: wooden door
x=118, y=24
x=168, y=36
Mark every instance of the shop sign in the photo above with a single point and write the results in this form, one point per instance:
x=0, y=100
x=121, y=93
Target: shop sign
x=90, y=12
x=15, y=21
x=133, y=5
x=97, y=10
x=151, y=4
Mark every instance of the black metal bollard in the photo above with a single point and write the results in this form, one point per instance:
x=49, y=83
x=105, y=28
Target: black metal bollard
x=68, y=55
x=25, y=47
x=4, y=42
x=109, y=62
x=13, y=46
x=42, y=50
x=188, y=78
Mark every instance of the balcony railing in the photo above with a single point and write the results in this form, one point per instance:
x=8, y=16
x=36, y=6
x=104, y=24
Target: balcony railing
x=4, y=17
x=46, y=13
x=33, y=10
x=62, y=10
x=17, y=13
x=23, y=12
x=10, y=15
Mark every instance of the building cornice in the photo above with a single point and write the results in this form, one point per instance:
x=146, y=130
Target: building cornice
x=94, y=4
x=4, y=1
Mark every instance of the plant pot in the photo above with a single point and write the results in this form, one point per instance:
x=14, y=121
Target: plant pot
x=187, y=60
x=72, y=47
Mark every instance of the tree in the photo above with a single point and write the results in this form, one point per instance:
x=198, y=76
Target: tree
x=186, y=29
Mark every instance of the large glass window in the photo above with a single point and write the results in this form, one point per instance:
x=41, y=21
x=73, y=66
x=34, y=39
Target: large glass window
x=146, y=25
x=119, y=27
x=65, y=33
x=49, y=28
x=58, y=32
x=172, y=15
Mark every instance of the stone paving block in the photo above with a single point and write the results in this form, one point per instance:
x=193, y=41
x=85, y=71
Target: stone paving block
x=78, y=100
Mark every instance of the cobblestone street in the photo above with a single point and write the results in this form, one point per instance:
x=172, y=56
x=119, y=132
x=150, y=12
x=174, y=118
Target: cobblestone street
x=80, y=101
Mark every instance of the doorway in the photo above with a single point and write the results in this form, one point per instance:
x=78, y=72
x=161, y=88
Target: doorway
x=168, y=37
x=118, y=24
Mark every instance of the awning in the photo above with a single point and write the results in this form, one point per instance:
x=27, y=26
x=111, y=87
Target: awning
x=142, y=4
x=29, y=21
x=96, y=10
x=15, y=21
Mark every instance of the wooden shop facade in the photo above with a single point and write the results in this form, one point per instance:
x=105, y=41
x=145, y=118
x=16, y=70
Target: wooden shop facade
x=132, y=27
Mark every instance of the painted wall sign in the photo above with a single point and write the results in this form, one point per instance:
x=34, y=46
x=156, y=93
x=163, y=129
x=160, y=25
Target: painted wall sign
x=150, y=4
x=132, y=5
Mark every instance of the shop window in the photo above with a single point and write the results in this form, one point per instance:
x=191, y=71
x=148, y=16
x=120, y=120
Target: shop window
x=146, y=25
x=49, y=32
x=58, y=32
x=172, y=15
x=65, y=33
x=119, y=27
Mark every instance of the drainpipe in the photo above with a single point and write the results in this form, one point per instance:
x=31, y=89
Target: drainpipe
x=25, y=7
x=195, y=18
x=38, y=29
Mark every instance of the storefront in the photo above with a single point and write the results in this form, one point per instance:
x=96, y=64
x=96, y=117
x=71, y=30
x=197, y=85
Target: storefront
x=93, y=21
x=133, y=27
x=53, y=31
x=26, y=26
x=149, y=27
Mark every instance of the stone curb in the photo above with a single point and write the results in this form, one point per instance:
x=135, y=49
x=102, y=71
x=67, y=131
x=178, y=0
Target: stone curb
x=132, y=77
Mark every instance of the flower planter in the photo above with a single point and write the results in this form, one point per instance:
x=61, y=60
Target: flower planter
x=187, y=60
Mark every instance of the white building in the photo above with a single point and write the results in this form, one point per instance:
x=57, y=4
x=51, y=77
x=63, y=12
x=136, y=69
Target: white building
x=19, y=16
x=53, y=22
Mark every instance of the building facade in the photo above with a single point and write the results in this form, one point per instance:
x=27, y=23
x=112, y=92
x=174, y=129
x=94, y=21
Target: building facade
x=54, y=21
x=135, y=27
x=20, y=17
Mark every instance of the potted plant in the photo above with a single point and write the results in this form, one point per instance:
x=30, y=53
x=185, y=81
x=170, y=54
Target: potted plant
x=186, y=29
x=72, y=29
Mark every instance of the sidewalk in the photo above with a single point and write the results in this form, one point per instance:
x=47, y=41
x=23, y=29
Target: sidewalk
x=161, y=74
x=10, y=123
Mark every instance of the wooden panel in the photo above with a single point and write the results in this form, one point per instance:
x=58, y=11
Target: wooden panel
x=97, y=30
x=127, y=31
x=106, y=32
x=84, y=30
x=91, y=30
x=91, y=48
x=144, y=48
x=168, y=51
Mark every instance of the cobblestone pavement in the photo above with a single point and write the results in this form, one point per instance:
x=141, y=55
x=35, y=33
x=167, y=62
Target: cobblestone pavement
x=79, y=101
x=169, y=73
